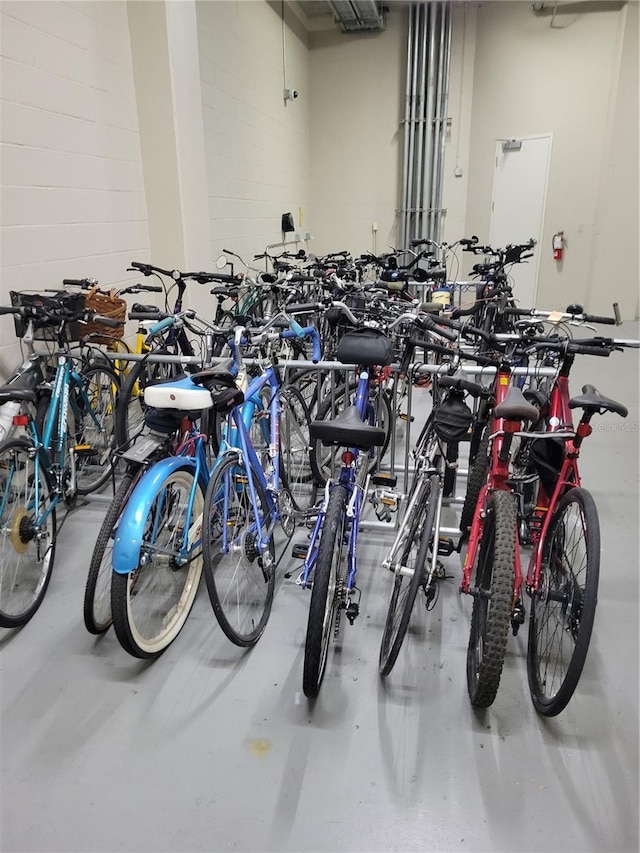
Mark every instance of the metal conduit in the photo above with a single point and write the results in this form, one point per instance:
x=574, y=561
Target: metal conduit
x=425, y=120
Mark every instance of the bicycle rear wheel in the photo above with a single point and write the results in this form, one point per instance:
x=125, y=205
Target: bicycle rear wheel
x=97, y=593
x=412, y=573
x=151, y=603
x=493, y=599
x=295, y=447
x=325, y=594
x=239, y=579
x=563, y=608
x=27, y=532
x=93, y=405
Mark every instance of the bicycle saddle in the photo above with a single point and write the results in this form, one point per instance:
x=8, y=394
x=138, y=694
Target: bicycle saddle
x=592, y=400
x=348, y=430
x=515, y=407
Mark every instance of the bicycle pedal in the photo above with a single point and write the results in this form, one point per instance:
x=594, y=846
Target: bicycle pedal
x=299, y=551
x=387, y=480
x=352, y=611
x=446, y=546
x=404, y=417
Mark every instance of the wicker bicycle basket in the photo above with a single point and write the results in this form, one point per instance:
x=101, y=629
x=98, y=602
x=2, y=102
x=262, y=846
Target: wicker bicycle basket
x=108, y=305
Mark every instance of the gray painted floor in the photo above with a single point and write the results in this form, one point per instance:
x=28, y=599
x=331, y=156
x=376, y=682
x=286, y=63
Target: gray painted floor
x=210, y=748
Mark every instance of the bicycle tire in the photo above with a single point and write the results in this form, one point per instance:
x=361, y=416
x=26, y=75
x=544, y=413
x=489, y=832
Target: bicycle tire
x=131, y=406
x=325, y=592
x=97, y=593
x=26, y=562
x=323, y=459
x=405, y=588
x=150, y=604
x=239, y=584
x=295, y=447
x=563, y=609
x=492, y=603
x=94, y=467
x=477, y=478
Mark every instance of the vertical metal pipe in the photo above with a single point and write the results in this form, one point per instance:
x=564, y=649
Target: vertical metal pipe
x=444, y=109
x=438, y=128
x=407, y=133
x=412, y=124
x=421, y=47
x=429, y=113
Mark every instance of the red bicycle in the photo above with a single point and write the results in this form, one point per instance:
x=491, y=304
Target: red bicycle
x=562, y=529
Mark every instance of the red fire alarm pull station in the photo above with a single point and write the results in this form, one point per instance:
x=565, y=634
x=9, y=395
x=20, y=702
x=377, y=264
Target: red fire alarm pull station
x=558, y=245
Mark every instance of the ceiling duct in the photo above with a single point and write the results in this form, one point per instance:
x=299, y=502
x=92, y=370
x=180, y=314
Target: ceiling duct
x=356, y=16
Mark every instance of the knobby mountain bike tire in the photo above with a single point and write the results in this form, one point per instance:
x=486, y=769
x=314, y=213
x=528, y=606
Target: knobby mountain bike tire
x=328, y=579
x=240, y=581
x=563, y=608
x=477, y=478
x=97, y=593
x=151, y=603
x=27, y=548
x=493, y=598
x=413, y=572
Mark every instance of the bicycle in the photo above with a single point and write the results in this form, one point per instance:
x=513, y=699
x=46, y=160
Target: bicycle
x=65, y=453
x=563, y=595
x=161, y=538
x=333, y=585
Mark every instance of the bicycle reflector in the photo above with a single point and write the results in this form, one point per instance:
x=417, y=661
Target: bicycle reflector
x=21, y=420
x=452, y=418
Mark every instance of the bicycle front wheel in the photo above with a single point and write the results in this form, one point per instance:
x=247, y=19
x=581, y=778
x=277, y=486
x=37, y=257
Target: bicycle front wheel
x=564, y=606
x=97, y=593
x=240, y=579
x=151, y=603
x=493, y=599
x=410, y=575
x=295, y=447
x=27, y=532
x=325, y=594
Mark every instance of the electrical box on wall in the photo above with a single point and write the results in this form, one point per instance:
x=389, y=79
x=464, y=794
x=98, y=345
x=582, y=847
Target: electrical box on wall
x=287, y=223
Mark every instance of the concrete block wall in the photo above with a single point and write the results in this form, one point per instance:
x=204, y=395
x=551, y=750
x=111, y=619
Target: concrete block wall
x=73, y=201
x=257, y=145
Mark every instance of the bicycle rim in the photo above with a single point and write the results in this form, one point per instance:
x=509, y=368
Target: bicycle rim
x=27, y=535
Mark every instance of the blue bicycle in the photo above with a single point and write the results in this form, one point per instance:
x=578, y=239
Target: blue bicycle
x=171, y=521
x=65, y=452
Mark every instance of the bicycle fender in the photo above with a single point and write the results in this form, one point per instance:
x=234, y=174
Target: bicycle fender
x=128, y=541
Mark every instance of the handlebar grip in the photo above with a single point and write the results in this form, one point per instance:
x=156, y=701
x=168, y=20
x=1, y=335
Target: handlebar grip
x=432, y=326
x=606, y=321
x=137, y=265
x=106, y=321
x=221, y=277
x=463, y=312
x=587, y=350
x=77, y=282
x=304, y=306
x=150, y=288
x=147, y=315
x=8, y=309
x=163, y=324
x=315, y=340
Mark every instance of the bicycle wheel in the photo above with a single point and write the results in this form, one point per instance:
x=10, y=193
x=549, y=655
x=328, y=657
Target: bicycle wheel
x=477, y=478
x=97, y=593
x=295, y=444
x=150, y=604
x=412, y=574
x=240, y=580
x=131, y=406
x=563, y=609
x=492, y=603
x=27, y=532
x=325, y=594
x=93, y=405
x=325, y=461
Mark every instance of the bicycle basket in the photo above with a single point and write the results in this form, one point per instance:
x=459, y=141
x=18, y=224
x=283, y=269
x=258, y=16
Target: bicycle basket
x=366, y=347
x=452, y=418
x=108, y=305
x=45, y=329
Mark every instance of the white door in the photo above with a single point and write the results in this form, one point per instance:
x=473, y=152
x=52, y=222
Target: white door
x=517, y=205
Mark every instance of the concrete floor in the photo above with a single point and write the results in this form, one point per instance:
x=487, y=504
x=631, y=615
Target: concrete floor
x=211, y=748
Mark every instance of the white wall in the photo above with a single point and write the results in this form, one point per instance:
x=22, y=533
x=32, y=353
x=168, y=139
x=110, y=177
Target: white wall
x=72, y=195
x=531, y=78
x=257, y=146
x=357, y=94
